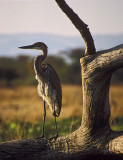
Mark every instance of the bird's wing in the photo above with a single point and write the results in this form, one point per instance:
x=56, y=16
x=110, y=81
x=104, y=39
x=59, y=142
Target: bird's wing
x=54, y=79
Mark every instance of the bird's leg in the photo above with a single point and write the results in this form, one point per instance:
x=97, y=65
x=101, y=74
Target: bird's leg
x=55, y=137
x=56, y=123
x=44, y=115
x=56, y=128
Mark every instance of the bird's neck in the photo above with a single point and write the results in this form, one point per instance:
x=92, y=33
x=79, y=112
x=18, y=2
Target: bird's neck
x=37, y=65
x=38, y=61
x=44, y=54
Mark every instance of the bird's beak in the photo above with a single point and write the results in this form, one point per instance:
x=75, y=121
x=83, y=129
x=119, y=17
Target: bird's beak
x=27, y=47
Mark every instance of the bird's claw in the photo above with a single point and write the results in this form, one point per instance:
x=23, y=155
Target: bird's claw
x=53, y=138
x=42, y=136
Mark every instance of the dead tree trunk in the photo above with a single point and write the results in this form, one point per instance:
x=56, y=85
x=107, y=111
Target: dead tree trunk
x=94, y=137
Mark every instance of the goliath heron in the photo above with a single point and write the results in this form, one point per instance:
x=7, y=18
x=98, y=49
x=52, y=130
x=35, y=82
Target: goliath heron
x=49, y=86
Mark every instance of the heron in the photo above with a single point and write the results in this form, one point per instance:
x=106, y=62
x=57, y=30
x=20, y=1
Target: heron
x=49, y=86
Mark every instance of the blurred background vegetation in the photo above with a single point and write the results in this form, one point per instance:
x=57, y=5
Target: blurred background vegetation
x=21, y=109
x=19, y=70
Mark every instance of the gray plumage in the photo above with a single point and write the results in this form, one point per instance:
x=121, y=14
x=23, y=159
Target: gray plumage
x=49, y=86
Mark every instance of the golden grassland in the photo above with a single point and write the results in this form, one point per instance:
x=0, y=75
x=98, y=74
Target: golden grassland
x=23, y=103
x=21, y=112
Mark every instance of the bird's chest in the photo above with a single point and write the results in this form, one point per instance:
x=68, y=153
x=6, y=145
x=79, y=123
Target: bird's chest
x=44, y=90
x=42, y=74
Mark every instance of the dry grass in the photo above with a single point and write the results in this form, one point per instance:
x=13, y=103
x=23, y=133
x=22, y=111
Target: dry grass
x=23, y=103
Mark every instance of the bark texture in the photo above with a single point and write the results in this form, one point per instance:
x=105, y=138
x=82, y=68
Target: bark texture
x=94, y=138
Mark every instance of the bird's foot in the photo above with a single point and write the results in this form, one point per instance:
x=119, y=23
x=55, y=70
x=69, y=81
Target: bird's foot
x=53, y=138
x=42, y=136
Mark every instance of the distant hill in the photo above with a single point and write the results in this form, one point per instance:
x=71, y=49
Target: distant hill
x=9, y=43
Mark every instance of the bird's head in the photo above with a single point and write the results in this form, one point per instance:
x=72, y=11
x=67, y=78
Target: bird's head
x=37, y=46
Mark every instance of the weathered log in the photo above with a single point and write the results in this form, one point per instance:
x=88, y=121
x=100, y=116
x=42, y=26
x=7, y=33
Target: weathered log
x=94, y=138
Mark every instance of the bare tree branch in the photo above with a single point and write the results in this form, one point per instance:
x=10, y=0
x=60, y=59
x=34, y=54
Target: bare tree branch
x=80, y=25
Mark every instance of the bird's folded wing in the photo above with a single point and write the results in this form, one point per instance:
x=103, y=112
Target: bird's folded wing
x=54, y=79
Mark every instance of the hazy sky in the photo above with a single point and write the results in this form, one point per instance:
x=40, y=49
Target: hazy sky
x=20, y=16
